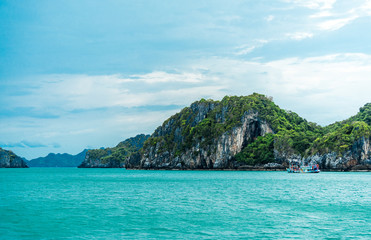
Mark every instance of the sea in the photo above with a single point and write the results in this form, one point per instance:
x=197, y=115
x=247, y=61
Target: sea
x=72, y=203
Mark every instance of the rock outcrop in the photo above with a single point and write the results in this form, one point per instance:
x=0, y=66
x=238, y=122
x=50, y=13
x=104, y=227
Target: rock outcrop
x=9, y=160
x=357, y=158
x=217, y=155
x=192, y=139
x=211, y=134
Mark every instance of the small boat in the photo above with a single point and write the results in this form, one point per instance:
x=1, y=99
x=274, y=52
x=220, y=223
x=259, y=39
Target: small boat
x=295, y=168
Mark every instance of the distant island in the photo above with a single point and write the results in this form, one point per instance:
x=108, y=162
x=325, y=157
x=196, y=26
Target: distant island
x=242, y=133
x=58, y=160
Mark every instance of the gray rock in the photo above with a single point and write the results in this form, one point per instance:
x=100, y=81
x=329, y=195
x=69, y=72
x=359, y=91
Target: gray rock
x=9, y=160
x=358, y=155
x=218, y=155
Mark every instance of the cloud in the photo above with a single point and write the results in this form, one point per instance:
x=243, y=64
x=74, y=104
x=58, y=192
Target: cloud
x=57, y=94
x=269, y=18
x=56, y=145
x=31, y=144
x=326, y=15
x=327, y=88
x=89, y=96
x=103, y=110
x=23, y=144
x=164, y=77
x=314, y=4
x=321, y=14
x=299, y=35
x=248, y=48
x=323, y=89
x=335, y=24
x=366, y=7
x=339, y=17
x=11, y=145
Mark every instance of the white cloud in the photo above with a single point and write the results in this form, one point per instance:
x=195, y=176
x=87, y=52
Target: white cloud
x=321, y=14
x=323, y=89
x=326, y=15
x=64, y=93
x=337, y=18
x=335, y=24
x=93, y=110
x=367, y=7
x=162, y=77
x=327, y=88
x=269, y=18
x=363, y=10
x=299, y=35
x=216, y=77
x=314, y=4
x=248, y=48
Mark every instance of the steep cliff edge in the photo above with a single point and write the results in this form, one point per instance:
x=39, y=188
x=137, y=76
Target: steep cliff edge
x=9, y=160
x=252, y=132
x=216, y=134
x=358, y=157
x=113, y=157
x=202, y=154
x=343, y=146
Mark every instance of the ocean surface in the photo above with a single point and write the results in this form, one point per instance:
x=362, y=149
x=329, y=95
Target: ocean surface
x=71, y=203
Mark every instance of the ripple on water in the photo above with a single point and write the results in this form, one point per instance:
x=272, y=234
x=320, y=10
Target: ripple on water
x=114, y=203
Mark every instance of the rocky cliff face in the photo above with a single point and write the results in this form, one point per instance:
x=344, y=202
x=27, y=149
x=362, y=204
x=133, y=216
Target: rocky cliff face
x=357, y=158
x=91, y=160
x=217, y=135
x=113, y=157
x=9, y=160
x=201, y=154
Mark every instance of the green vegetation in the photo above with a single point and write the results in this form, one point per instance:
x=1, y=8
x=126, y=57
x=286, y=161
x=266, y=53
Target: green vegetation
x=118, y=154
x=364, y=115
x=258, y=152
x=342, y=138
x=293, y=133
x=206, y=120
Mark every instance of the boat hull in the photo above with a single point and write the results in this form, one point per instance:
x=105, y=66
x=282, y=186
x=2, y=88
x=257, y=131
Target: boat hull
x=303, y=169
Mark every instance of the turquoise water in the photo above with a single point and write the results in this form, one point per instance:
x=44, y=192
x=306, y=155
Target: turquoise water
x=71, y=203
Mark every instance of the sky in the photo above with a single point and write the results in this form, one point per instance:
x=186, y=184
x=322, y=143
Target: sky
x=91, y=73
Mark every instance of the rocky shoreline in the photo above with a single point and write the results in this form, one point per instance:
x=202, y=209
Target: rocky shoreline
x=247, y=170
x=357, y=168
x=252, y=133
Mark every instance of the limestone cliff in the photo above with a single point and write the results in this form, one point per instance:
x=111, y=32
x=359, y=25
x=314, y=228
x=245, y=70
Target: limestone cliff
x=252, y=132
x=9, y=160
x=207, y=135
x=358, y=157
x=217, y=155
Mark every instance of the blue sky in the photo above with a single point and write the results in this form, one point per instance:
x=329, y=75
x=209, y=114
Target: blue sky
x=89, y=74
